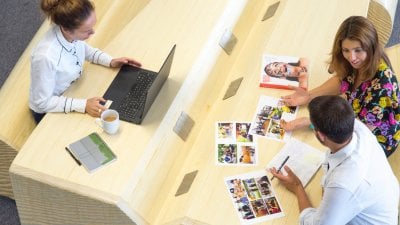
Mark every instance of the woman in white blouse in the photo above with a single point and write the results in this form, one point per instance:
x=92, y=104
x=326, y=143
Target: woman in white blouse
x=58, y=58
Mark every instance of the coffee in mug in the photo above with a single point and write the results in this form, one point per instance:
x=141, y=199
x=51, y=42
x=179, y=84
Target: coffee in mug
x=110, y=118
x=109, y=121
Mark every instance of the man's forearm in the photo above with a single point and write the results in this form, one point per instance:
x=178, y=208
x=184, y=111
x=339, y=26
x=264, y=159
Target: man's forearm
x=302, y=199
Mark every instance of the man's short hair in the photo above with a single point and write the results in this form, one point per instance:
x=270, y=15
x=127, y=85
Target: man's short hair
x=332, y=116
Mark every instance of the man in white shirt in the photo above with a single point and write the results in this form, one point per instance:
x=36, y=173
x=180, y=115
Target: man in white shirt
x=359, y=184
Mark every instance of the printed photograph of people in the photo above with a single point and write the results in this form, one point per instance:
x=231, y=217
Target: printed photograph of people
x=234, y=144
x=242, y=132
x=253, y=197
x=264, y=186
x=260, y=208
x=275, y=130
x=251, y=189
x=227, y=153
x=272, y=205
x=269, y=113
x=285, y=108
x=281, y=71
x=240, y=199
x=225, y=131
x=247, y=154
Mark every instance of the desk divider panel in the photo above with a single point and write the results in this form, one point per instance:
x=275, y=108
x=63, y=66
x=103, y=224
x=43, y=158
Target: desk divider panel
x=7, y=155
x=270, y=11
x=183, y=126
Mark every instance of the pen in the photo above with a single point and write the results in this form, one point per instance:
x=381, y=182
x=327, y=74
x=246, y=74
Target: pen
x=281, y=166
x=75, y=159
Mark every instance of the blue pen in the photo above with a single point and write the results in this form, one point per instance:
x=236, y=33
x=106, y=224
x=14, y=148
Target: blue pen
x=281, y=166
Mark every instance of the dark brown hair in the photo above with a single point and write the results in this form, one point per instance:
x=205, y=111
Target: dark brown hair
x=332, y=116
x=358, y=28
x=68, y=14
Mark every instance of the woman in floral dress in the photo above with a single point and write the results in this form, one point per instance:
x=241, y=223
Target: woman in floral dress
x=363, y=76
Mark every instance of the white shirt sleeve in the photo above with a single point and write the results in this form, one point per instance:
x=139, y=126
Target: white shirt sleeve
x=338, y=206
x=97, y=56
x=43, y=83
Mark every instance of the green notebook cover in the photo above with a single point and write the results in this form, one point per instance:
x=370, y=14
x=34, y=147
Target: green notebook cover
x=92, y=152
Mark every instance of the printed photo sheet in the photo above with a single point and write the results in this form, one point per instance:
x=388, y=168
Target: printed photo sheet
x=304, y=160
x=266, y=121
x=234, y=145
x=253, y=197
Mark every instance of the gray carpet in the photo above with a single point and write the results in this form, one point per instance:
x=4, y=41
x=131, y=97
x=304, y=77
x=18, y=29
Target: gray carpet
x=19, y=21
x=8, y=212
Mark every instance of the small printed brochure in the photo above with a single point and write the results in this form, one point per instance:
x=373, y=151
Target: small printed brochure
x=282, y=71
x=234, y=144
x=253, y=197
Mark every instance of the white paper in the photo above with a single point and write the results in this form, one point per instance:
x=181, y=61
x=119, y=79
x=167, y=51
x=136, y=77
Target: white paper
x=304, y=160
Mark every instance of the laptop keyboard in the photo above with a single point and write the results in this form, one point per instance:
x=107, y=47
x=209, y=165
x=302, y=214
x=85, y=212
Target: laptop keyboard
x=132, y=104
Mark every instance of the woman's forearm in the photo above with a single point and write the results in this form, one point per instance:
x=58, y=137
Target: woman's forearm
x=329, y=87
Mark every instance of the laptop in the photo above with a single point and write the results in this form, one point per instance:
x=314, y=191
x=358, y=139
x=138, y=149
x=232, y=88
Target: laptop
x=134, y=90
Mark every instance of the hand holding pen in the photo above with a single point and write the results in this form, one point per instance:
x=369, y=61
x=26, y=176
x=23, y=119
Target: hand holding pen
x=290, y=181
x=281, y=166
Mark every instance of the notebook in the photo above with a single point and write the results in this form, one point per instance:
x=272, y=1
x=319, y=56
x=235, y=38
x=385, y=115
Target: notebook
x=134, y=90
x=91, y=151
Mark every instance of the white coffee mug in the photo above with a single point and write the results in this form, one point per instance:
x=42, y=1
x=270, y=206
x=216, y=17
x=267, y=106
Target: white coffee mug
x=109, y=121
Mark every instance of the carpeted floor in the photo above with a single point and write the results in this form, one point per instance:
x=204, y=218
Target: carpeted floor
x=8, y=212
x=19, y=21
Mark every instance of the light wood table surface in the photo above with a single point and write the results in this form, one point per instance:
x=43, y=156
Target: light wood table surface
x=299, y=28
x=50, y=188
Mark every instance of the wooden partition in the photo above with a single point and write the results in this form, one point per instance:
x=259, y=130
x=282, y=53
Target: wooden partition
x=16, y=119
x=382, y=13
x=394, y=56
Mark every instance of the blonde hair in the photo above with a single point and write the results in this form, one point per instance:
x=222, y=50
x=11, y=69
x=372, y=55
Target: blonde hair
x=68, y=14
x=358, y=28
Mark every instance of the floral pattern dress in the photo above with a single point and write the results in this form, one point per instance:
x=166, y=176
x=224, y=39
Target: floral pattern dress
x=375, y=103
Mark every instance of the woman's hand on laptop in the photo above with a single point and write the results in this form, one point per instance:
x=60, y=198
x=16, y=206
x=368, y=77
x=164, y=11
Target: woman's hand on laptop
x=93, y=106
x=118, y=62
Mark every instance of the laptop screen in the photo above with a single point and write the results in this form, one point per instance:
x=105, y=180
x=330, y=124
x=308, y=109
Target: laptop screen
x=159, y=81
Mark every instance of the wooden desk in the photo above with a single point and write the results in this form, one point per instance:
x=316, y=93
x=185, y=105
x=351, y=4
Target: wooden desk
x=152, y=160
x=50, y=188
x=299, y=28
x=17, y=122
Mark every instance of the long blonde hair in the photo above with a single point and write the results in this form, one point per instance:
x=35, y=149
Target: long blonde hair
x=358, y=28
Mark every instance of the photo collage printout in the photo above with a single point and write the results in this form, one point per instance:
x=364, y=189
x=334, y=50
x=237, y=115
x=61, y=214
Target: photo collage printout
x=253, y=197
x=266, y=121
x=234, y=144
